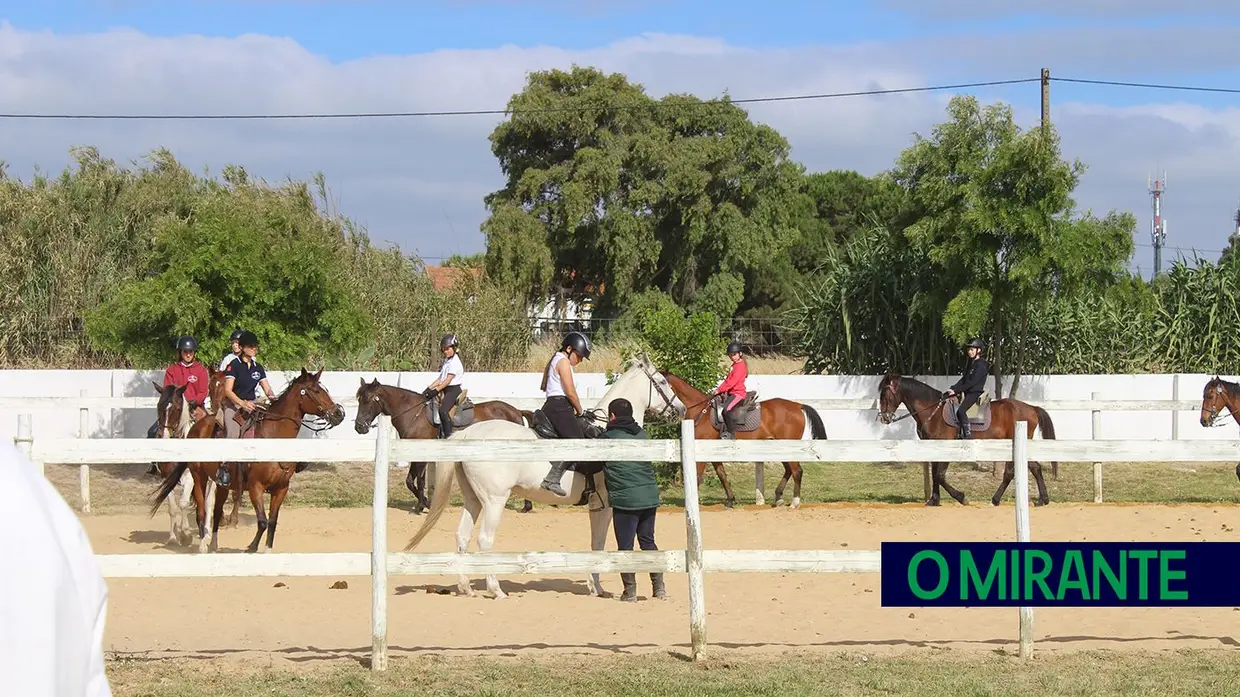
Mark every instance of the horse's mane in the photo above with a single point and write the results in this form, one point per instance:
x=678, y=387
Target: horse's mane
x=1231, y=388
x=165, y=401
x=300, y=379
x=916, y=388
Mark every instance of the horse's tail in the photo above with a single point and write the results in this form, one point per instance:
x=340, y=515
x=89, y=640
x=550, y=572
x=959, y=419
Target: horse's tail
x=445, y=472
x=815, y=422
x=1047, y=427
x=528, y=416
x=170, y=482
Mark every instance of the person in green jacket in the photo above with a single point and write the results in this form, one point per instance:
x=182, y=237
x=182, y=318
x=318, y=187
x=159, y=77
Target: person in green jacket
x=634, y=496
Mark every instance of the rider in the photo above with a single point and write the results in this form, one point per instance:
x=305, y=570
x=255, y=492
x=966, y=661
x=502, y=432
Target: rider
x=448, y=384
x=242, y=378
x=187, y=371
x=970, y=385
x=236, y=349
x=733, y=386
x=563, y=406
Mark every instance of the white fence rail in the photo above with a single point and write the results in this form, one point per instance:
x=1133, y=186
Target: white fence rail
x=694, y=560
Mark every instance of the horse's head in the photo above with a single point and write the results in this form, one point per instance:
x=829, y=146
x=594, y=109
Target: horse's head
x=1217, y=395
x=172, y=410
x=312, y=398
x=888, y=397
x=370, y=405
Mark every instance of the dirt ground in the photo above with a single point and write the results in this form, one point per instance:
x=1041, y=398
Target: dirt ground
x=272, y=620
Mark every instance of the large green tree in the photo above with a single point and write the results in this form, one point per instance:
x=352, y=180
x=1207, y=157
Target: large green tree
x=995, y=214
x=612, y=190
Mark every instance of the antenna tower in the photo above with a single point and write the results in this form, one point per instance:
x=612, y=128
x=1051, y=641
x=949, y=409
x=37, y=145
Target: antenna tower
x=1158, y=226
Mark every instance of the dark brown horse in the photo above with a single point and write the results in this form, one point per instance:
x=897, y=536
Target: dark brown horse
x=925, y=405
x=1217, y=395
x=305, y=395
x=780, y=419
x=411, y=417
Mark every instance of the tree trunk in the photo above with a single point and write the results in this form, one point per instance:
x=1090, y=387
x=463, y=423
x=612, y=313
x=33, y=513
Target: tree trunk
x=996, y=468
x=1020, y=354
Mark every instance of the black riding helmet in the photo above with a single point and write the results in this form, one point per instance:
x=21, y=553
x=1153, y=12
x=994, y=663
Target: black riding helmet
x=187, y=343
x=977, y=344
x=236, y=335
x=449, y=340
x=734, y=347
x=578, y=342
x=247, y=338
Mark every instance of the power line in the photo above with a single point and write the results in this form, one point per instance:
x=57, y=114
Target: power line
x=493, y=112
x=1148, y=85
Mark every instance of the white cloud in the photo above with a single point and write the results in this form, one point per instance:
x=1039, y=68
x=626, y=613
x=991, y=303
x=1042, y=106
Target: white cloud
x=420, y=181
x=1108, y=9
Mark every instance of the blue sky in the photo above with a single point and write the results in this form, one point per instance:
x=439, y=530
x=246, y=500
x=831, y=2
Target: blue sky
x=420, y=184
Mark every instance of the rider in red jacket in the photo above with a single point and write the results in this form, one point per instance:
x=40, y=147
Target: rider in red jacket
x=188, y=371
x=733, y=387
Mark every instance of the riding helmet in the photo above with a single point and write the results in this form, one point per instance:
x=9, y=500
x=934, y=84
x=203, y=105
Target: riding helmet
x=247, y=338
x=187, y=343
x=236, y=335
x=733, y=348
x=976, y=343
x=448, y=340
x=578, y=342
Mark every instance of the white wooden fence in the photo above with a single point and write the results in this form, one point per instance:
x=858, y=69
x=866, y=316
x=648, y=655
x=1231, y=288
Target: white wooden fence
x=1097, y=405
x=693, y=560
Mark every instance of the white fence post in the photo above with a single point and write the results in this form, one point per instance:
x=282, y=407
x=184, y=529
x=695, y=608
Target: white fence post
x=693, y=546
x=84, y=470
x=24, y=440
x=1096, y=434
x=1175, y=412
x=1020, y=463
x=378, y=549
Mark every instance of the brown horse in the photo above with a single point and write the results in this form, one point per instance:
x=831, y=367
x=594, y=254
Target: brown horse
x=780, y=419
x=1217, y=395
x=925, y=405
x=411, y=416
x=305, y=395
x=173, y=421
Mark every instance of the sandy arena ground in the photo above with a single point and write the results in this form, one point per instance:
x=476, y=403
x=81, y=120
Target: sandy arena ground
x=305, y=619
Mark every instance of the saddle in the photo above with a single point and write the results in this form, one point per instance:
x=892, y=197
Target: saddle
x=248, y=422
x=745, y=416
x=543, y=429
x=461, y=413
x=979, y=414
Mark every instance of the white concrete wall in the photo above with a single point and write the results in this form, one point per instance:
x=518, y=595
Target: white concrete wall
x=521, y=389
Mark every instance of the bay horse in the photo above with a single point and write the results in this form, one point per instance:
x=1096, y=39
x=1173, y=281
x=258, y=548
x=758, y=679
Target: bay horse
x=487, y=485
x=780, y=419
x=925, y=405
x=303, y=396
x=412, y=419
x=1217, y=395
x=174, y=421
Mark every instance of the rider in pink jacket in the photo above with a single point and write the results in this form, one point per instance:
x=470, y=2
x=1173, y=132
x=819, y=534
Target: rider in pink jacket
x=733, y=387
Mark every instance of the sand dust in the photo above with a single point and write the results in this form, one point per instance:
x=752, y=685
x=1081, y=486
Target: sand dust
x=305, y=619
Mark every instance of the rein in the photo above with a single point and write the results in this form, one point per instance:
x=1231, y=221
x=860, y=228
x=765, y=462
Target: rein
x=918, y=412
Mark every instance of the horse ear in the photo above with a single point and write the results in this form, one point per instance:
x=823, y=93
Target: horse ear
x=303, y=371
x=159, y=389
x=316, y=375
x=362, y=379
x=375, y=381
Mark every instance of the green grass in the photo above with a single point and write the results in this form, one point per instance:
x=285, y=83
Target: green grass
x=945, y=674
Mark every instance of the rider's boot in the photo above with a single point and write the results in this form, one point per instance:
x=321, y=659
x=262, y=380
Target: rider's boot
x=725, y=432
x=222, y=477
x=552, y=481
x=630, y=587
x=657, y=589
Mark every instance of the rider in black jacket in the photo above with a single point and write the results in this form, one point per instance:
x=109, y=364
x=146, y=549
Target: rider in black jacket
x=970, y=385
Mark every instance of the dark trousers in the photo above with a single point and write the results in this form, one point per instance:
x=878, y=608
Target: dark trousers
x=634, y=523
x=962, y=411
x=447, y=398
x=563, y=419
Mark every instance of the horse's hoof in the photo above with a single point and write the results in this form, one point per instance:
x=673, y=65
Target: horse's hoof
x=994, y=502
x=932, y=502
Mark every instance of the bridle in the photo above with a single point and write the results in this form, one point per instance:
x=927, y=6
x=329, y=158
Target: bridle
x=319, y=424
x=655, y=386
x=892, y=389
x=416, y=405
x=1220, y=389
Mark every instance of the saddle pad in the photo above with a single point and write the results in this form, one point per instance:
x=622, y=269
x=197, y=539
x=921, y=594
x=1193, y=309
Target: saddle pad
x=749, y=411
x=979, y=414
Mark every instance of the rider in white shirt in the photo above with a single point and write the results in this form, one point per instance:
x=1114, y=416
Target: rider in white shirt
x=53, y=599
x=236, y=349
x=448, y=385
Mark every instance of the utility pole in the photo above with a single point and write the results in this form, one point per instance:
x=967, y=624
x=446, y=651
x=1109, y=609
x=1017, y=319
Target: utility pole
x=1158, y=226
x=1046, y=100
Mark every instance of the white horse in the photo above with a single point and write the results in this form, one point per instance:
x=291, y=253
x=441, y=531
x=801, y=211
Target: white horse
x=486, y=486
x=181, y=524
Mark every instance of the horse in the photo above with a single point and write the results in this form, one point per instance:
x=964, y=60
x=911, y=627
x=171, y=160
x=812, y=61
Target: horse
x=173, y=421
x=405, y=406
x=487, y=485
x=995, y=420
x=305, y=395
x=777, y=419
x=1219, y=394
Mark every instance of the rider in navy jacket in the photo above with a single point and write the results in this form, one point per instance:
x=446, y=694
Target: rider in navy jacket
x=970, y=385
